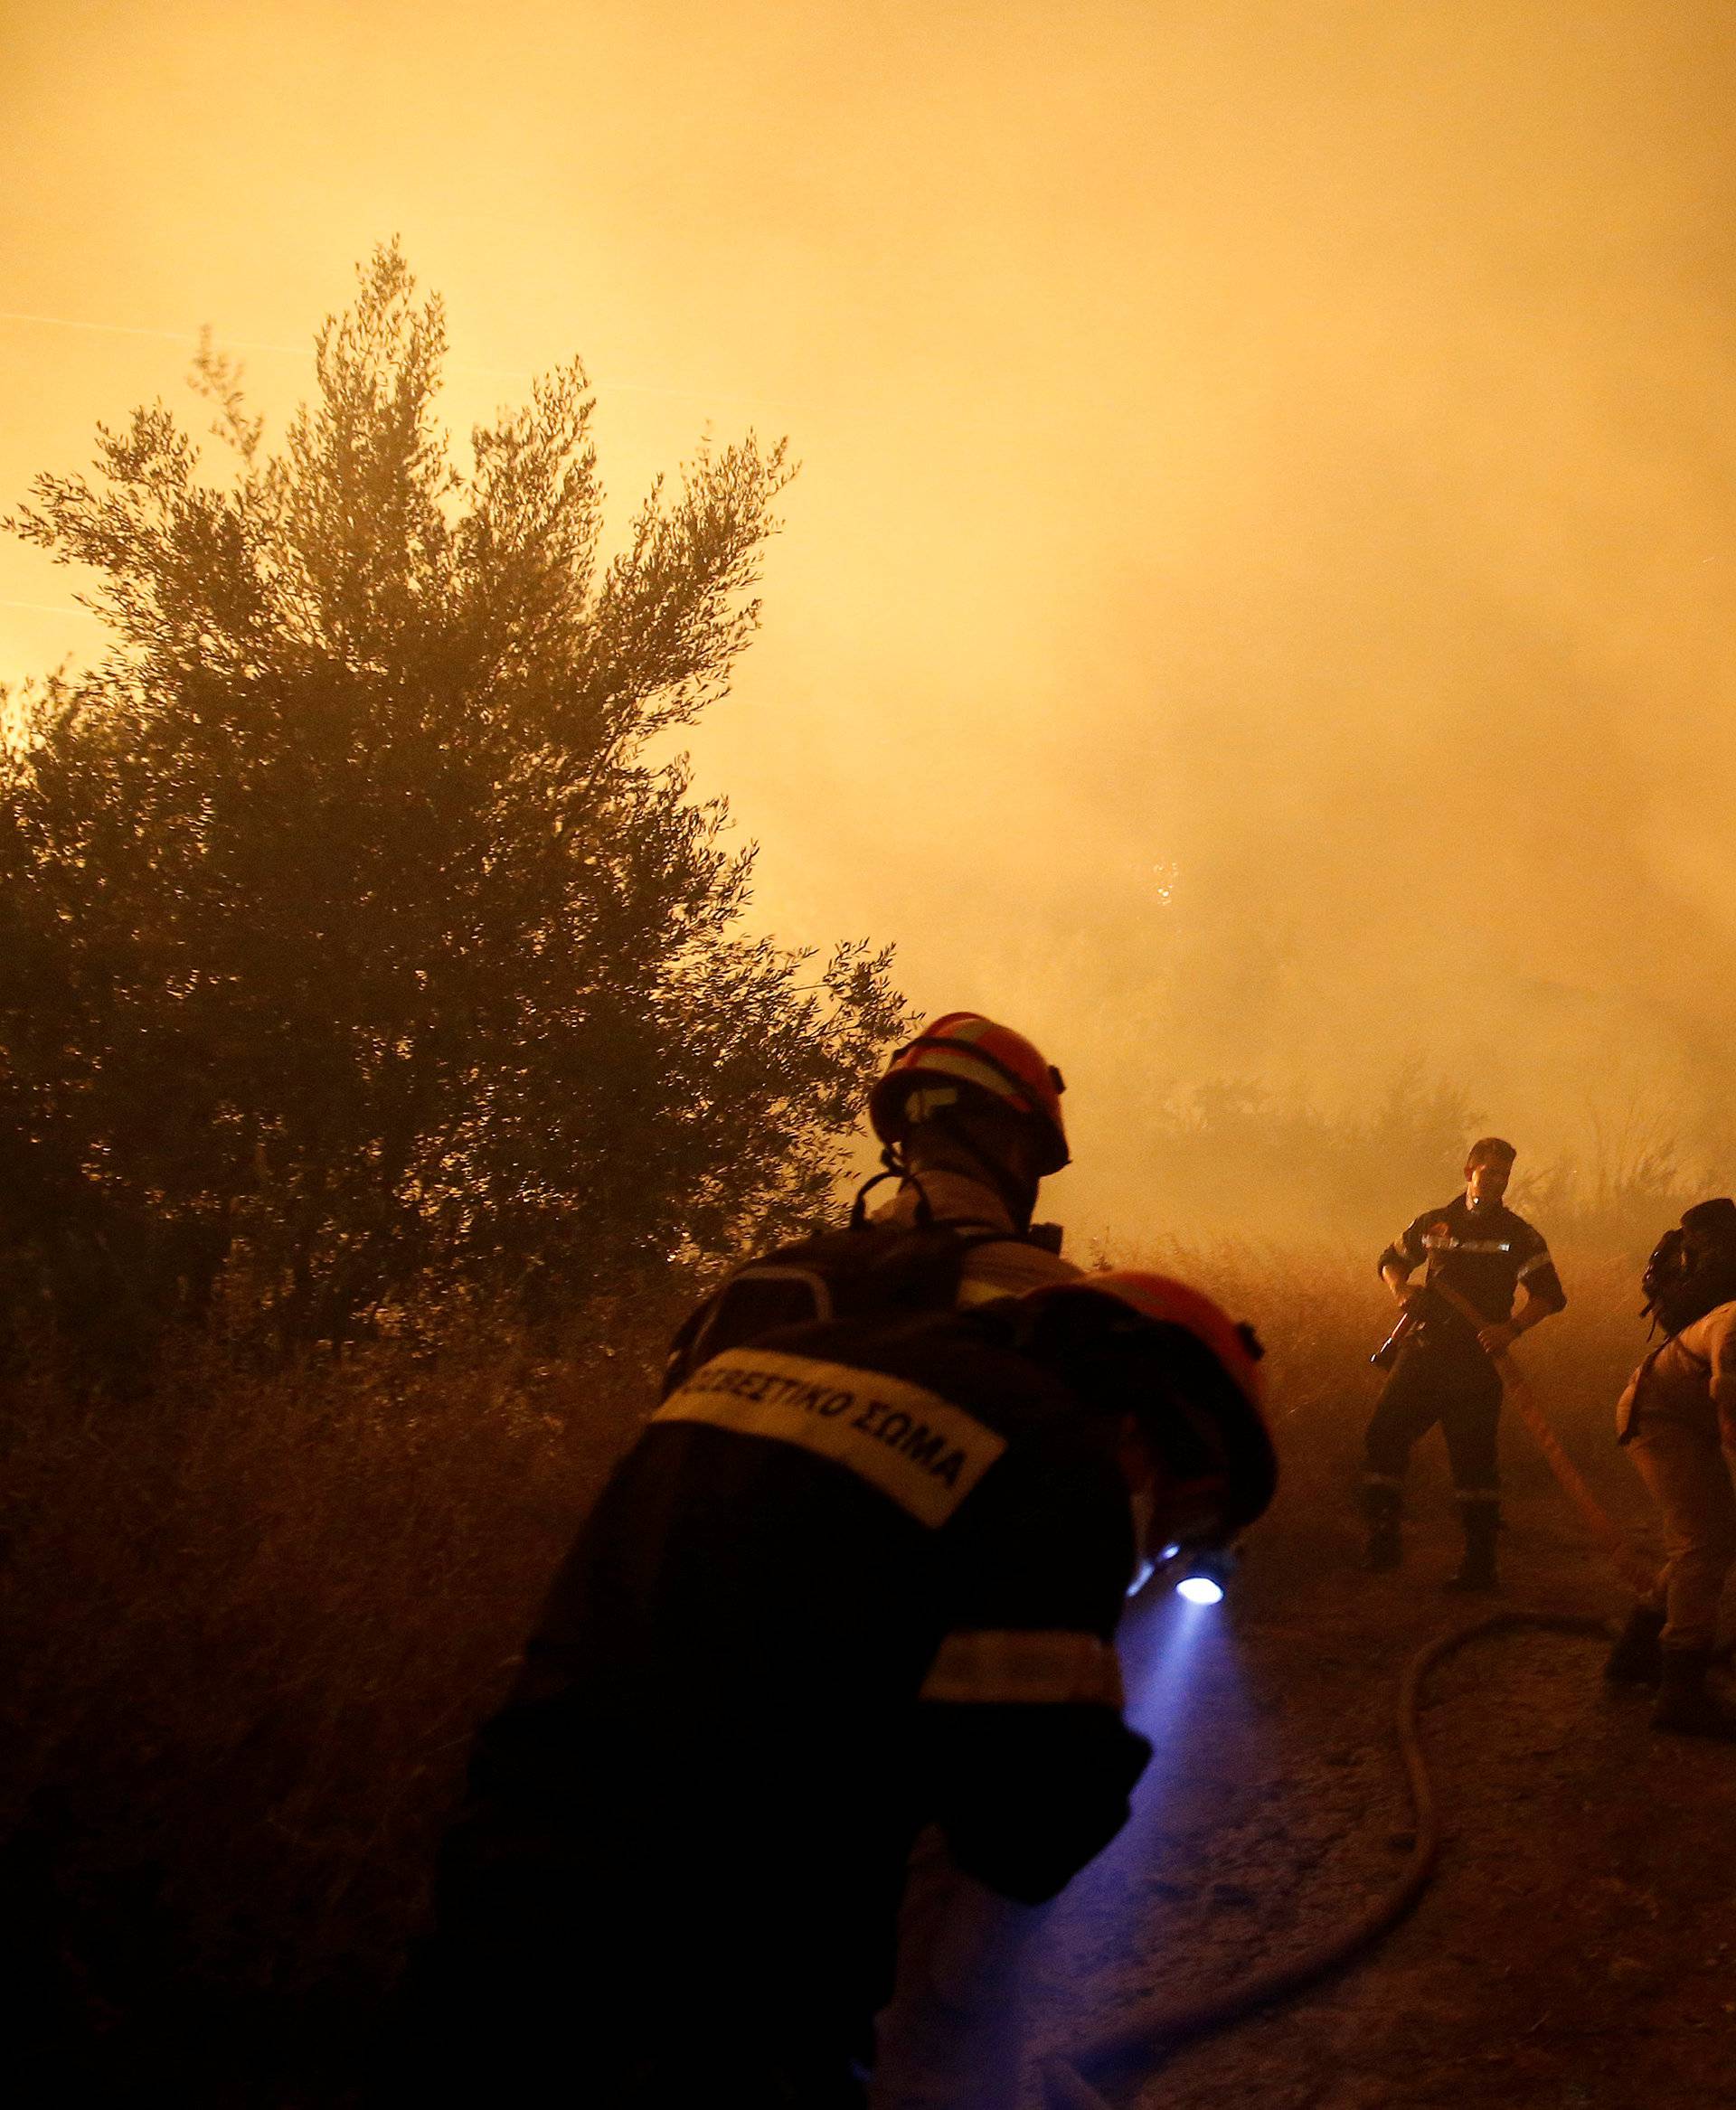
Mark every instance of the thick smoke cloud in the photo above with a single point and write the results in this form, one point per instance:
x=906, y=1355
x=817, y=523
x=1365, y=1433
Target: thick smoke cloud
x=1255, y=606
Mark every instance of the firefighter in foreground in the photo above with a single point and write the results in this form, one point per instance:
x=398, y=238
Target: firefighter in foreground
x=969, y=1118
x=858, y=1575
x=1677, y=1421
x=1477, y=1247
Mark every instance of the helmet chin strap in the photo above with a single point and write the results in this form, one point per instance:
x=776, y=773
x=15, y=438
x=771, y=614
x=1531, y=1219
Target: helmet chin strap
x=1019, y=1199
x=896, y=1169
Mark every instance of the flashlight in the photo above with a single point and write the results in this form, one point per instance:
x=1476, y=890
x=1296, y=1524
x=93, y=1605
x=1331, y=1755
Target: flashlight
x=1199, y=1574
x=1204, y=1576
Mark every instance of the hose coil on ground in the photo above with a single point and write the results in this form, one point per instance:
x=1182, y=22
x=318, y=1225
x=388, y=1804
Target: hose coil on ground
x=1158, y=2024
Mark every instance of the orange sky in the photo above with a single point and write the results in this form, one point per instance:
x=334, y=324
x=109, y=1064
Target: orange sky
x=1256, y=600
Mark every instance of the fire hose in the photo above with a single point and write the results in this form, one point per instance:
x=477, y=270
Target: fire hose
x=1625, y=1558
x=1161, y=2025
x=1166, y=2024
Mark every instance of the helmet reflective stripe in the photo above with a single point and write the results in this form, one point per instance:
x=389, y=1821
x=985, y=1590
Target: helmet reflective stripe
x=941, y=1058
x=926, y=1101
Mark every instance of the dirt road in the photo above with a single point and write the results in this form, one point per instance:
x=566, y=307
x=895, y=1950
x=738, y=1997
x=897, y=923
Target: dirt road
x=1578, y=1946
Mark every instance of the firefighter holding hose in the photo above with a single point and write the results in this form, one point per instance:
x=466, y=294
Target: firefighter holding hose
x=1477, y=1254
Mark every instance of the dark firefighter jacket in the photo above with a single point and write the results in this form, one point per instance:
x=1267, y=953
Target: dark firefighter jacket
x=853, y=1578
x=1484, y=1253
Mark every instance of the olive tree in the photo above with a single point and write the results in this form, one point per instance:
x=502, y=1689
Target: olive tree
x=355, y=921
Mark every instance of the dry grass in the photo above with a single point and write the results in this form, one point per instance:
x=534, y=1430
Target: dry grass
x=249, y=1622
x=1323, y=1312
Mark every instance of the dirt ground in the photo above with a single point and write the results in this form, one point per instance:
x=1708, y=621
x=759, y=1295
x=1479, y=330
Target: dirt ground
x=245, y=1649
x=1576, y=1947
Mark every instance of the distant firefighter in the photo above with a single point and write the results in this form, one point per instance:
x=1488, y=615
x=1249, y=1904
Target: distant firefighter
x=1677, y=1421
x=1440, y=1369
x=859, y=1576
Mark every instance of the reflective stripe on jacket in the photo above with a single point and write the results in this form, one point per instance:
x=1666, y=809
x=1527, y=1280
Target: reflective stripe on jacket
x=853, y=1579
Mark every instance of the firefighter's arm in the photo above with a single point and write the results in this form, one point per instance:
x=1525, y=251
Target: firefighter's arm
x=1543, y=1298
x=1026, y=1791
x=1544, y=1295
x=1399, y=1260
x=1028, y=1762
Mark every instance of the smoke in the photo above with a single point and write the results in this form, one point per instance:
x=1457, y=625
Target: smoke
x=1254, y=608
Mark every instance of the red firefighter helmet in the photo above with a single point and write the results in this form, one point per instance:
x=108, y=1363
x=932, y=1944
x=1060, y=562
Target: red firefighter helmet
x=1169, y=1303
x=966, y=1048
x=1201, y=1403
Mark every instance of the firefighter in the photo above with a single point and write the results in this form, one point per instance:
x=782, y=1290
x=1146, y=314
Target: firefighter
x=968, y=1114
x=1677, y=1420
x=858, y=1576
x=1477, y=1247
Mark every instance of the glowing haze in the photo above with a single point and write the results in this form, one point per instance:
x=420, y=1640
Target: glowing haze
x=1256, y=603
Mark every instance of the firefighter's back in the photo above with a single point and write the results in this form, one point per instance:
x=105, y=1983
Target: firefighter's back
x=708, y=1775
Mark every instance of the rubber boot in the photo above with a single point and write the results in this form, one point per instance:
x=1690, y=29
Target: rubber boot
x=1385, y=1550
x=1684, y=1704
x=1637, y=1657
x=1475, y=1572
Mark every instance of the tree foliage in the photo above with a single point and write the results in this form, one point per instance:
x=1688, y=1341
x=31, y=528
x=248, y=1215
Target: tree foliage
x=350, y=923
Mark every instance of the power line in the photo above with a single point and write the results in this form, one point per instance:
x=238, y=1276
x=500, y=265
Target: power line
x=67, y=322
